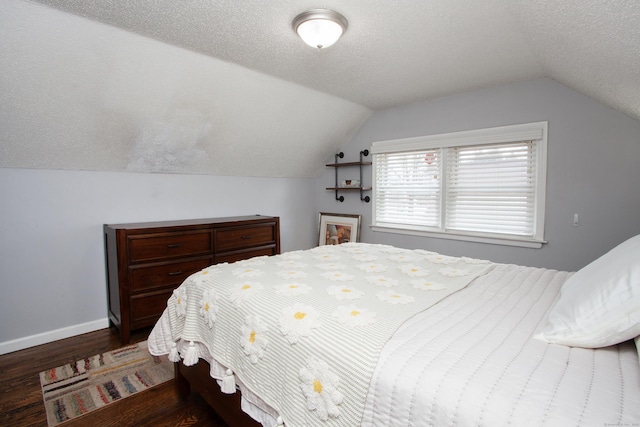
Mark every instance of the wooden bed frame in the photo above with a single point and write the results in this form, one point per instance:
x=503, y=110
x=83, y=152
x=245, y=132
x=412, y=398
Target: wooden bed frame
x=196, y=378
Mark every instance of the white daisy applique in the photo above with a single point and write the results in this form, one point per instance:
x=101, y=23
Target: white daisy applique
x=337, y=276
x=292, y=274
x=364, y=257
x=202, y=275
x=292, y=289
x=427, y=285
x=258, y=260
x=328, y=257
x=344, y=292
x=209, y=307
x=253, y=338
x=394, y=297
x=291, y=255
x=352, y=316
x=372, y=267
x=441, y=259
x=330, y=266
x=181, y=300
x=291, y=264
x=323, y=249
x=247, y=271
x=244, y=291
x=354, y=248
x=453, y=272
x=413, y=270
x=403, y=258
x=297, y=321
x=320, y=388
x=382, y=281
x=391, y=249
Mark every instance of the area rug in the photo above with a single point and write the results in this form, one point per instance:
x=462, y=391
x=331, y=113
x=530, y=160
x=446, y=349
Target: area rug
x=78, y=388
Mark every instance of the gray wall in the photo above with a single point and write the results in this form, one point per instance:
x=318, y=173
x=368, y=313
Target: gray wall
x=593, y=168
x=52, y=252
x=83, y=96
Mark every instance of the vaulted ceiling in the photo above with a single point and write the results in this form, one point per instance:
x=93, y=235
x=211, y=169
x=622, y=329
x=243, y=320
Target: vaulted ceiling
x=399, y=51
x=225, y=87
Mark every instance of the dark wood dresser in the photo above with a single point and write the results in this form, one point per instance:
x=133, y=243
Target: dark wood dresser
x=147, y=261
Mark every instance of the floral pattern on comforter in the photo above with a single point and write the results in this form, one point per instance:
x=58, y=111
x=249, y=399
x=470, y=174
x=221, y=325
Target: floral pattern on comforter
x=303, y=330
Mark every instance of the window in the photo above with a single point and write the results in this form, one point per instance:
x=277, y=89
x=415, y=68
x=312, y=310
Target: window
x=485, y=185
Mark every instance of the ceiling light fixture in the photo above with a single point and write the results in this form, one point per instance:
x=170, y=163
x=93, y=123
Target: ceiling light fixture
x=320, y=28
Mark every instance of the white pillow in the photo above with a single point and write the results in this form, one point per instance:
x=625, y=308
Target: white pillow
x=638, y=346
x=599, y=305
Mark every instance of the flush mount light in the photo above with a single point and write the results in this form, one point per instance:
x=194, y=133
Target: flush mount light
x=320, y=28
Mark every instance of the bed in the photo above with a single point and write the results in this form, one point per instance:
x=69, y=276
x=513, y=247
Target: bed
x=375, y=335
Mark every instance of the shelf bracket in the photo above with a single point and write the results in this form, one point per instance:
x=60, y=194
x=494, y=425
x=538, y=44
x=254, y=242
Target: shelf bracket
x=338, y=198
x=366, y=199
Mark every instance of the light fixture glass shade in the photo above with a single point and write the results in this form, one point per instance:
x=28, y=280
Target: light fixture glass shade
x=320, y=28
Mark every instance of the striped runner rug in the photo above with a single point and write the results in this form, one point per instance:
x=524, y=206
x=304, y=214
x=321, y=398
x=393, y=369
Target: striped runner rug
x=75, y=389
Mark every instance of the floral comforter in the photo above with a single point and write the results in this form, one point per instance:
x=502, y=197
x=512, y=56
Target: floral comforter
x=303, y=330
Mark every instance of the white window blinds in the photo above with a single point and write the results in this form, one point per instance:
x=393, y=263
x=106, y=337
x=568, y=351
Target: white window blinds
x=489, y=182
x=408, y=189
x=492, y=188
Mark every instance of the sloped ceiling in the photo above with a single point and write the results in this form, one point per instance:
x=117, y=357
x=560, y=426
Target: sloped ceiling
x=399, y=51
x=236, y=92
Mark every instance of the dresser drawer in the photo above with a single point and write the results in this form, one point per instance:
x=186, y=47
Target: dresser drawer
x=149, y=247
x=167, y=275
x=240, y=255
x=230, y=238
x=146, y=310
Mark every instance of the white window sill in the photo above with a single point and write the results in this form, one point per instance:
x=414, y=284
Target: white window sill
x=523, y=242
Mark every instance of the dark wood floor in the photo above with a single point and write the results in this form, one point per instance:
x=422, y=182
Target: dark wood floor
x=21, y=398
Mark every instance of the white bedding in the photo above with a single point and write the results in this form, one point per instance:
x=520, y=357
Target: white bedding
x=470, y=361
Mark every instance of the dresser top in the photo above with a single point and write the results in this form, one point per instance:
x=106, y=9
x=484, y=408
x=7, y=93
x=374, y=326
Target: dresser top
x=186, y=222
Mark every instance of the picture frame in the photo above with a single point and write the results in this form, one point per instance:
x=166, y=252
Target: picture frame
x=336, y=228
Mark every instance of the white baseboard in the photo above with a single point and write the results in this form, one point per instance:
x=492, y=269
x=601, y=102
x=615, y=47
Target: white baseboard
x=55, y=335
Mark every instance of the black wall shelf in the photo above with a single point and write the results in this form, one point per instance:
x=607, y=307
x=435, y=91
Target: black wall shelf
x=338, y=188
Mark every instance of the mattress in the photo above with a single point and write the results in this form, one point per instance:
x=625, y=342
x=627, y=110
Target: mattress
x=470, y=360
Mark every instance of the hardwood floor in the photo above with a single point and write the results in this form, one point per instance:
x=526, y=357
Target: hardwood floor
x=21, y=399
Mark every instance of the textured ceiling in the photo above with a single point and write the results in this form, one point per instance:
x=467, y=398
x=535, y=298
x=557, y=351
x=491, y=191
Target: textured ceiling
x=400, y=51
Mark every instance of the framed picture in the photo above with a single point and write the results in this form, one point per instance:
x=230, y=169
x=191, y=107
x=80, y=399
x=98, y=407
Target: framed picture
x=338, y=228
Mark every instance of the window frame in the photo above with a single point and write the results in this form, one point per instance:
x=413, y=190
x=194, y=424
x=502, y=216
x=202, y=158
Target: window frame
x=536, y=131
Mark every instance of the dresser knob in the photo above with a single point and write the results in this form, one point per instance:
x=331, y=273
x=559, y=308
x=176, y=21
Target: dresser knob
x=174, y=245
